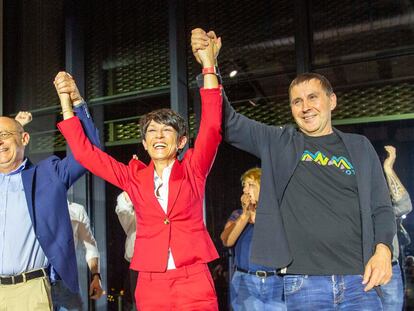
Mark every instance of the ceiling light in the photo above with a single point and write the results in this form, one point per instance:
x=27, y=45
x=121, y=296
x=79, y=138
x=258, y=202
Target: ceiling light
x=233, y=73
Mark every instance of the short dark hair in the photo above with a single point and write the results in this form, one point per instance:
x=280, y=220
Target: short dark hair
x=305, y=77
x=164, y=116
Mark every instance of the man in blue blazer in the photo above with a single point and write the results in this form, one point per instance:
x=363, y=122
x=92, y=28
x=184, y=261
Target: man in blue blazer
x=36, y=239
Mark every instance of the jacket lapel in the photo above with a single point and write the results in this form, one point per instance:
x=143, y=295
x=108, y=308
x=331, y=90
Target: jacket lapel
x=354, y=154
x=27, y=178
x=174, y=184
x=147, y=181
x=290, y=163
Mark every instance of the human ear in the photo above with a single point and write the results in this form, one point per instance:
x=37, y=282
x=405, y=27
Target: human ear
x=182, y=142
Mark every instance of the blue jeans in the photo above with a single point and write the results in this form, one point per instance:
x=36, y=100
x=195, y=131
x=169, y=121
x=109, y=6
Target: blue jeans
x=393, y=292
x=249, y=292
x=63, y=299
x=331, y=292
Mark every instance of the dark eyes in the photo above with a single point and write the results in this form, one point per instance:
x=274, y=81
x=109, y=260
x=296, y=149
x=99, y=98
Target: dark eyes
x=165, y=129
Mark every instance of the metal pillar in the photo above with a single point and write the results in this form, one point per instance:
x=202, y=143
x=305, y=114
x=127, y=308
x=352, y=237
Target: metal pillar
x=89, y=190
x=178, y=59
x=303, y=37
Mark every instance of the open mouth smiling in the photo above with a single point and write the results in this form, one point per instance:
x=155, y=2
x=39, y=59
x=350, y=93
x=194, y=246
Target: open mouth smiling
x=159, y=145
x=309, y=117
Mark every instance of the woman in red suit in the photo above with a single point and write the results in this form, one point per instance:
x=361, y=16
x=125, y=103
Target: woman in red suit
x=172, y=246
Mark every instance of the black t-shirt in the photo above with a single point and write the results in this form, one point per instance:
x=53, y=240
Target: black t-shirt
x=321, y=213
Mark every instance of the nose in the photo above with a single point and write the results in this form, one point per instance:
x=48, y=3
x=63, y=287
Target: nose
x=159, y=133
x=245, y=189
x=306, y=105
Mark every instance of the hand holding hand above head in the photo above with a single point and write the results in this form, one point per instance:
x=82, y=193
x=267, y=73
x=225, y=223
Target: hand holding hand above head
x=68, y=93
x=24, y=117
x=206, y=55
x=65, y=84
x=390, y=160
x=200, y=40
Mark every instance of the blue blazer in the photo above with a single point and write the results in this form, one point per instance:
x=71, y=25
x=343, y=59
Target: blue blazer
x=45, y=186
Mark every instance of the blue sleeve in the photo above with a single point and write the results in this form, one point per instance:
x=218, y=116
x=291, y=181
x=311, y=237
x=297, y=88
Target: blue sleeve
x=68, y=169
x=82, y=112
x=236, y=214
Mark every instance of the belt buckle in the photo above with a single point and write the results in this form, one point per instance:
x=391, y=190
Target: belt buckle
x=13, y=281
x=261, y=274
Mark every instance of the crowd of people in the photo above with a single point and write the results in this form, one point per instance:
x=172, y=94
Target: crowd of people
x=316, y=229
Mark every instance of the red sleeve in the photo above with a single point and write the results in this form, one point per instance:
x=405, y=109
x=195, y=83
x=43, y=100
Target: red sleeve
x=91, y=157
x=209, y=134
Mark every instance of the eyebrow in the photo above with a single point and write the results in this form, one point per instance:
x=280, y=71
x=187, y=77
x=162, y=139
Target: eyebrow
x=162, y=125
x=300, y=98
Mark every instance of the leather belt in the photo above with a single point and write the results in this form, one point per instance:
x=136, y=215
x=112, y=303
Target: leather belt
x=23, y=277
x=258, y=273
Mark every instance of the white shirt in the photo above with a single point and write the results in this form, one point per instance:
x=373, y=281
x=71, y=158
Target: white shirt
x=82, y=230
x=126, y=215
x=161, y=193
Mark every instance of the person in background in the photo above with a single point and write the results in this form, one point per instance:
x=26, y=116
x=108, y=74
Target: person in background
x=252, y=287
x=393, y=292
x=126, y=215
x=62, y=297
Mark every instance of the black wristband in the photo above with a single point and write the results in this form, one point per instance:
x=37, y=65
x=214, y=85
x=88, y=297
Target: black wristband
x=97, y=273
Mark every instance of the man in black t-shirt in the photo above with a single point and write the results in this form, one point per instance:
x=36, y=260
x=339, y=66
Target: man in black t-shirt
x=324, y=217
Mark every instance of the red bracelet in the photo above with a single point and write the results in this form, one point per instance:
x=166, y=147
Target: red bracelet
x=209, y=70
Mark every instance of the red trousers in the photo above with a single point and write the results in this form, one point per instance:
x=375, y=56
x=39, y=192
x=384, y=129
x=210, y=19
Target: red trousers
x=189, y=288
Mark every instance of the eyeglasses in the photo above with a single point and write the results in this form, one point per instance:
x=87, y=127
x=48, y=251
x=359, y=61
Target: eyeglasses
x=5, y=135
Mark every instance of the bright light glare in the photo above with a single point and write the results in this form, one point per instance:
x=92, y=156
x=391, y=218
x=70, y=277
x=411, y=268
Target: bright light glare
x=233, y=73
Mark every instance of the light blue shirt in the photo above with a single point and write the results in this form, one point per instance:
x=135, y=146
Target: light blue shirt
x=20, y=251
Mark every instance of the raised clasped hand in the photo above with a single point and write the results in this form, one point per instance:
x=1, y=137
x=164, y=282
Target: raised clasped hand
x=65, y=84
x=200, y=40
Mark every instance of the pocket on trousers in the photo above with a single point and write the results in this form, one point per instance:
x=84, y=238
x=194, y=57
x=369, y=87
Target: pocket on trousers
x=292, y=283
x=45, y=296
x=211, y=282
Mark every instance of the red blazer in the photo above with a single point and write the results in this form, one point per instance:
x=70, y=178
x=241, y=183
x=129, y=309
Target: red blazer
x=181, y=228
